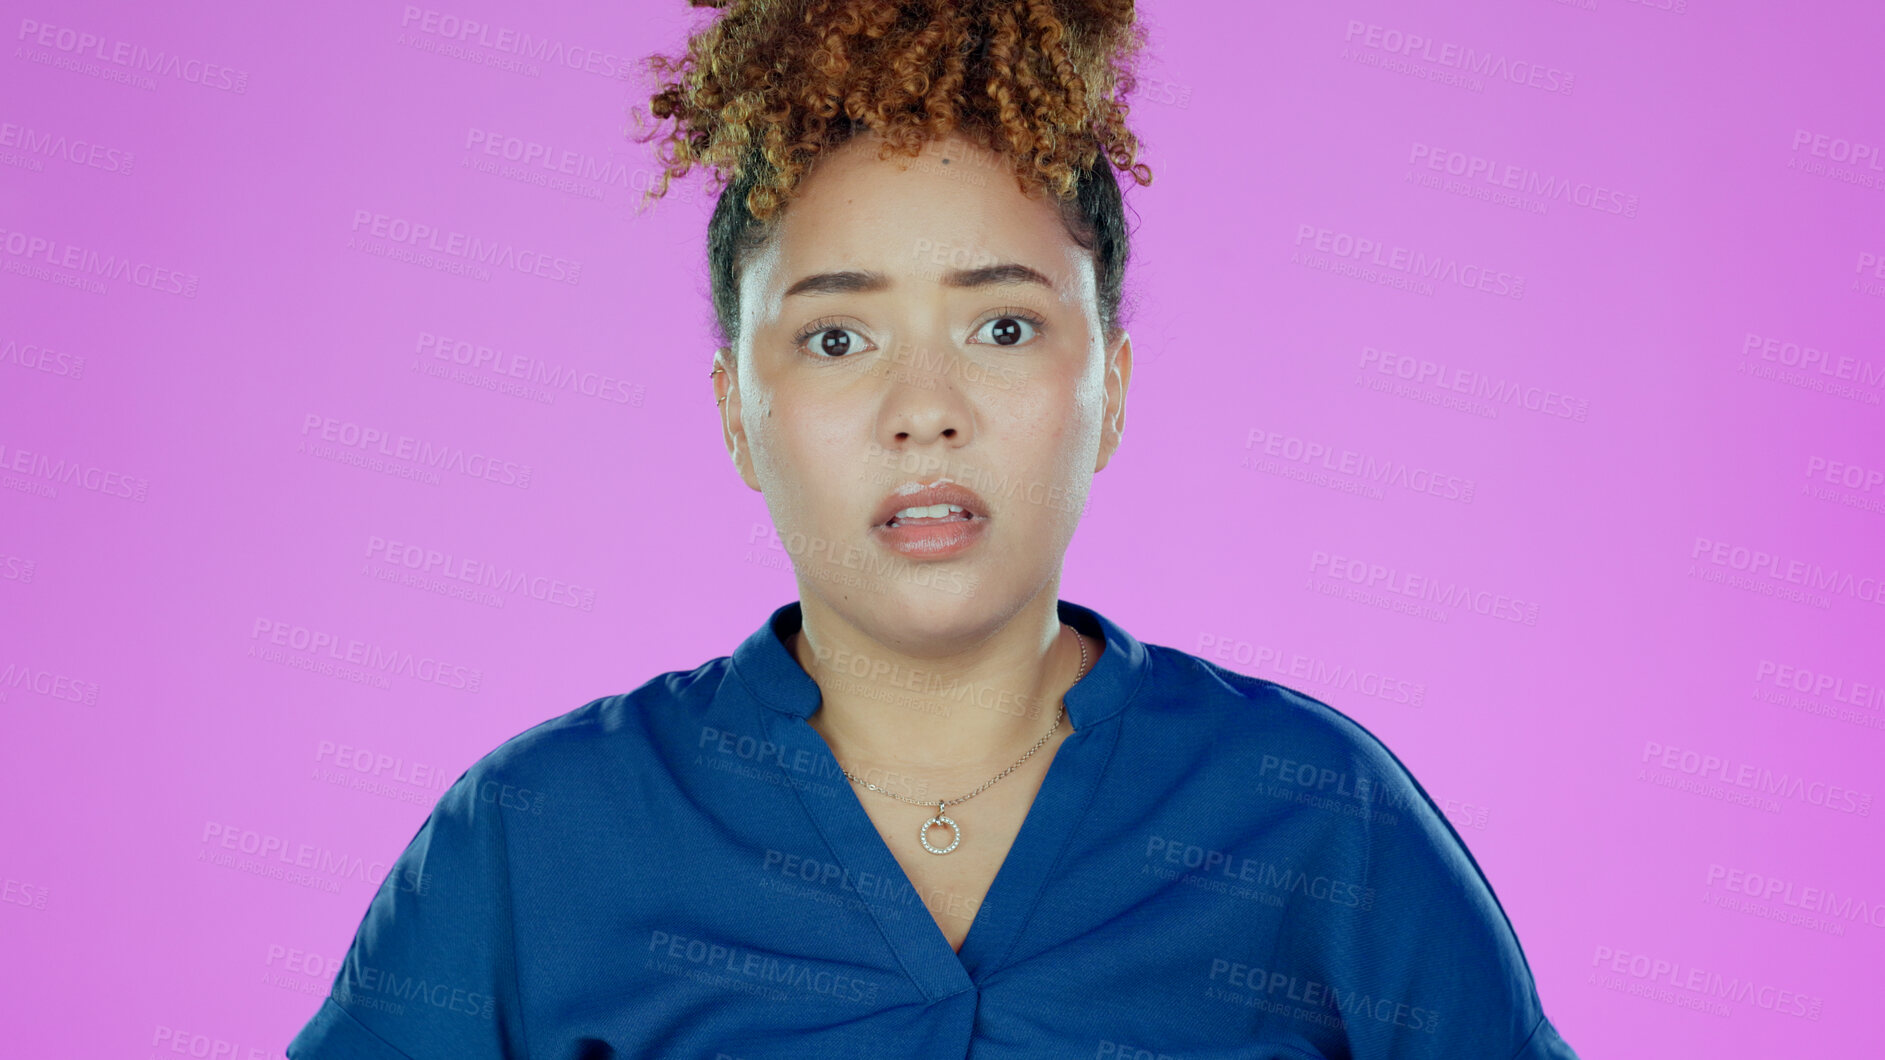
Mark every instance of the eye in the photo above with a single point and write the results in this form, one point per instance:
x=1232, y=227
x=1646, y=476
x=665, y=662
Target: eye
x=831, y=344
x=1007, y=328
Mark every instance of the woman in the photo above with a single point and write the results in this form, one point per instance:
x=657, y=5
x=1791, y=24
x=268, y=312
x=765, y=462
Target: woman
x=930, y=809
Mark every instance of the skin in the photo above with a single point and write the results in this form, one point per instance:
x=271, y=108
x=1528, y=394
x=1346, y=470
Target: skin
x=927, y=390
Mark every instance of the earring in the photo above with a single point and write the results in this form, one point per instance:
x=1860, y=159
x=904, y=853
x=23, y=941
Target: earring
x=716, y=371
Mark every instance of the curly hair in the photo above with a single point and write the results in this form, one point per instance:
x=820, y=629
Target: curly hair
x=772, y=84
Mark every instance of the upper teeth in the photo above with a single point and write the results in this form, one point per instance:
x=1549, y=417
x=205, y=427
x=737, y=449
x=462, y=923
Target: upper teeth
x=934, y=511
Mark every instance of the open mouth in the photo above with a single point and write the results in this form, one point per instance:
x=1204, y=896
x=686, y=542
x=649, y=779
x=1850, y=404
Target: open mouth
x=930, y=515
x=914, y=505
x=941, y=520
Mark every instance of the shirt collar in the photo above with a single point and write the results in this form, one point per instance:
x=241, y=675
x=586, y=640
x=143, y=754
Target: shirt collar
x=774, y=677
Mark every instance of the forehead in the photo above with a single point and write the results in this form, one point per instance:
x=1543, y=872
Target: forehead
x=954, y=207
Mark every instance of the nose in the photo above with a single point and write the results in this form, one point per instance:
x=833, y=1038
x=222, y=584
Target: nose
x=923, y=402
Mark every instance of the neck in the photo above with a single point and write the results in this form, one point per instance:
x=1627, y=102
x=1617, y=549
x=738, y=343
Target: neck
x=926, y=712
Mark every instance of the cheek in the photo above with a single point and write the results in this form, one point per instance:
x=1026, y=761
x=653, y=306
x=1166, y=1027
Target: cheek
x=805, y=464
x=1053, y=418
x=778, y=460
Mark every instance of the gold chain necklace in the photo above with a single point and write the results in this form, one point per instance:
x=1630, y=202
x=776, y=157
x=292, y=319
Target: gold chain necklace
x=941, y=821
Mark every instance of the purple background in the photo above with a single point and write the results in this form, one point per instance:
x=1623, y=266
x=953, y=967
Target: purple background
x=1630, y=431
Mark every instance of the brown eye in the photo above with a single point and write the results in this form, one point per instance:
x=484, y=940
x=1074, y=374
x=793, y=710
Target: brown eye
x=833, y=342
x=830, y=342
x=1011, y=329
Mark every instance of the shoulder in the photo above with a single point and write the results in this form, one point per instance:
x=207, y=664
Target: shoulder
x=606, y=733
x=1292, y=753
x=1282, y=729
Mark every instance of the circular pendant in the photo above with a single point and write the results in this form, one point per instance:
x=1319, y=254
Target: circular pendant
x=939, y=821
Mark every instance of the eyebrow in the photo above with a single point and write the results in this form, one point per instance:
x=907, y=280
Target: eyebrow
x=856, y=282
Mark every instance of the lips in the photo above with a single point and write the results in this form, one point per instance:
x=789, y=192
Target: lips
x=942, y=493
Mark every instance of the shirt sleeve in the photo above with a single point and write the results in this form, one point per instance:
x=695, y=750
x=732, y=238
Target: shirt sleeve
x=432, y=969
x=1433, y=970
x=1545, y=1044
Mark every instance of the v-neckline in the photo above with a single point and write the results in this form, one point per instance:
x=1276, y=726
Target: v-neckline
x=921, y=947
x=785, y=697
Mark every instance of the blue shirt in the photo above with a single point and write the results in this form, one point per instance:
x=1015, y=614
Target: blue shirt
x=1215, y=866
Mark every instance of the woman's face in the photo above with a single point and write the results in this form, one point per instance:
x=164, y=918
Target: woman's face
x=910, y=325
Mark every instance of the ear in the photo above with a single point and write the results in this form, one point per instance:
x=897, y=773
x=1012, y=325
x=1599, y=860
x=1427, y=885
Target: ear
x=726, y=391
x=1118, y=379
